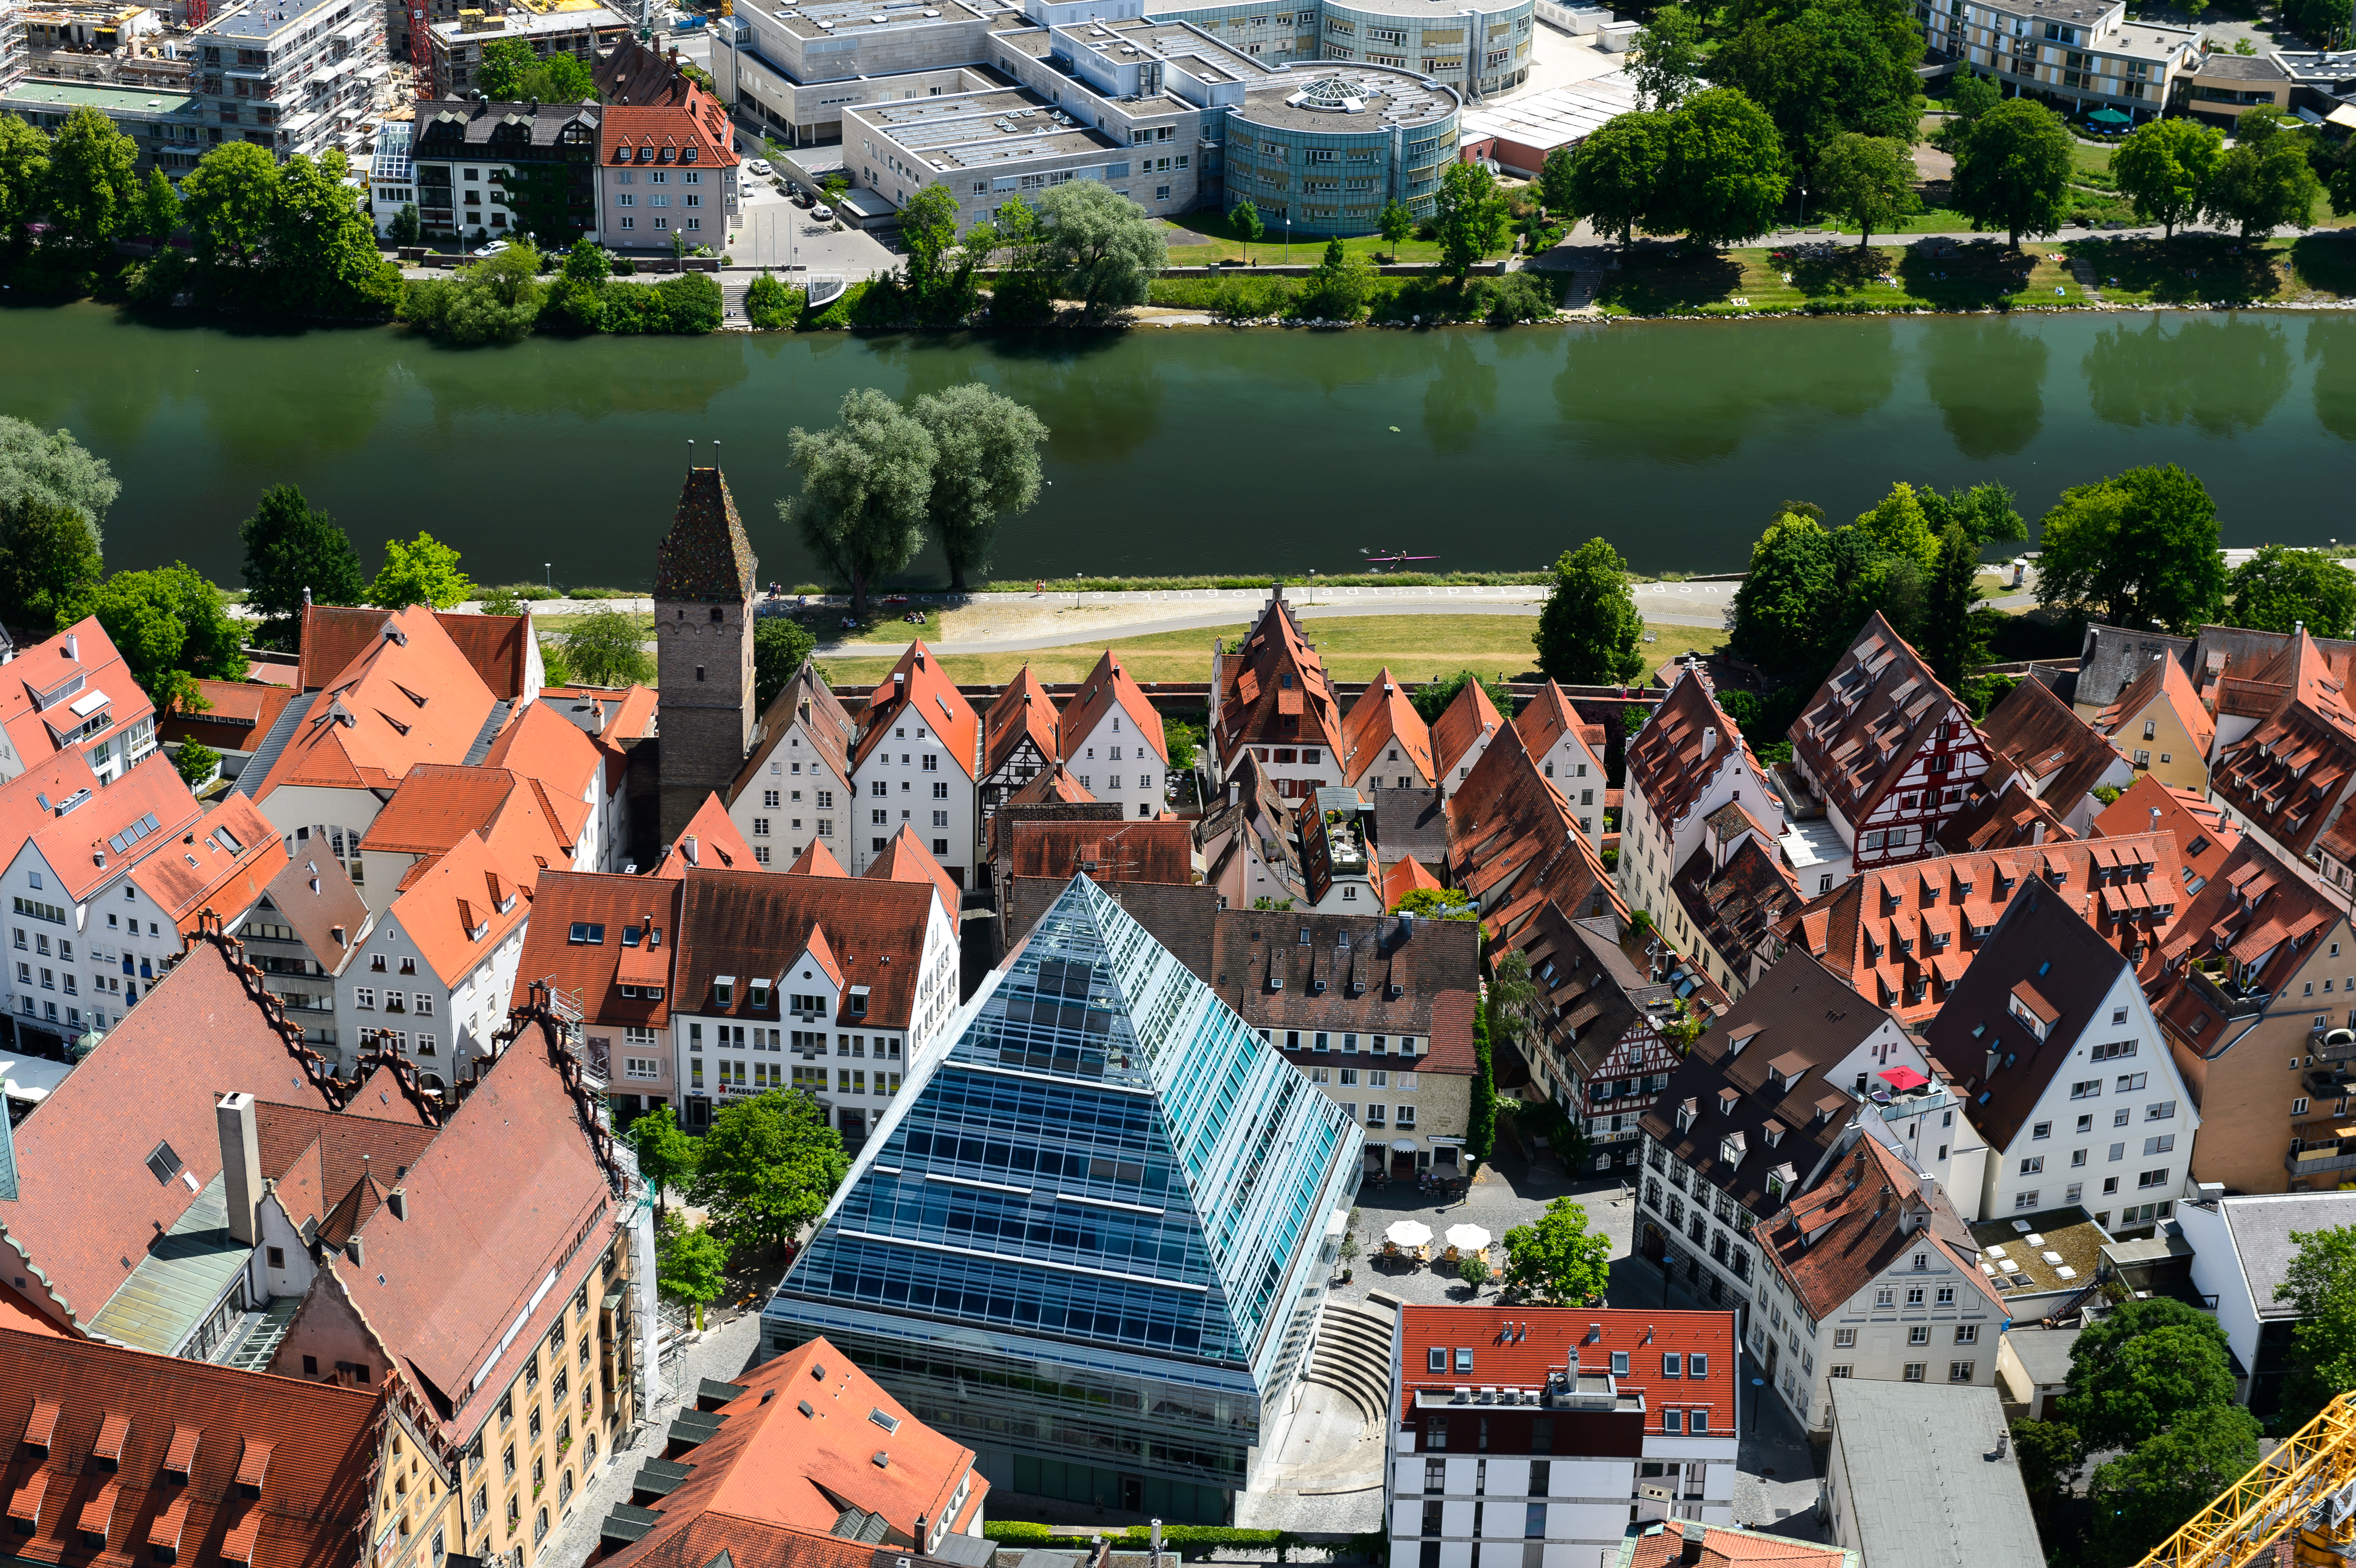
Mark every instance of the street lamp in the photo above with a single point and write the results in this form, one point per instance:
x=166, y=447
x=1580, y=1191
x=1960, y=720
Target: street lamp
x=549, y=567
x=1756, y=1384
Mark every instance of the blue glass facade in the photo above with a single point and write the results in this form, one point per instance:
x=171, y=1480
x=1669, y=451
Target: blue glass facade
x=1089, y=1239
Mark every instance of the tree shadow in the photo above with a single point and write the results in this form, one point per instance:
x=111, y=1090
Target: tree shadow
x=1842, y=272
x=1977, y=275
x=2193, y=269
x=1665, y=281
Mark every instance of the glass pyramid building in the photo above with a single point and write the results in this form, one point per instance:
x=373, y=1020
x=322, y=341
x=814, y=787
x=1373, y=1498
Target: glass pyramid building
x=1091, y=1237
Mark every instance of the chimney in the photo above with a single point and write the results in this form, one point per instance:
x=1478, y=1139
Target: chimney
x=2155, y=819
x=1690, y=1551
x=1881, y=1201
x=398, y=1202
x=1234, y=792
x=1708, y=738
x=73, y=646
x=687, y=846
x=240, y=1165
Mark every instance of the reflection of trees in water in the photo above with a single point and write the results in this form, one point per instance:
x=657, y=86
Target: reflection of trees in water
x=2222, y=378
x=2331, y=349
x=1100, y=395
x=1987, y=378
x=1463, y=388
x=1683, y=394
x=585, y=378
x=929, y=361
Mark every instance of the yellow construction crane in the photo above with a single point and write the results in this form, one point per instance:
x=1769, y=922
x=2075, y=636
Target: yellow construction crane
x=2307, y=1491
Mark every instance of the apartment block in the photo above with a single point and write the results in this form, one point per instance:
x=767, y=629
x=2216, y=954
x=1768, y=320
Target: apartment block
x=2085, y=55
x=293, y=76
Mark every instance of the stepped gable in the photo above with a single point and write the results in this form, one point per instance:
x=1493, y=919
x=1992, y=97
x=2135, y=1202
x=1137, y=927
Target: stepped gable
x=705, y=556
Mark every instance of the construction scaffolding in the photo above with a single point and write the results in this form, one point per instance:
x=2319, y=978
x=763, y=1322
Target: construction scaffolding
x=2305, y=1489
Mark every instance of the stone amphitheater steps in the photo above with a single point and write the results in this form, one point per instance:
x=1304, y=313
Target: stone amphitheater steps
x=1354, y=1356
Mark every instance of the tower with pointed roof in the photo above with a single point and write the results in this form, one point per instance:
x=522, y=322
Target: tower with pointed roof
x=704, y=633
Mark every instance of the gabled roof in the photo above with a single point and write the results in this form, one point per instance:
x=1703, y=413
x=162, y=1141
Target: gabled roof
x=692, y=131
x=2110, y=657
x=89, y=1207
x=317, y=900
x=806, y=699
x=1462, y=725
x=906, y=859
x=1123, y=851
x=1592, y=993
x=71, y=672
x=753, y=925
x=1682, y=749
x=1724, y=1546
x=87, y=833
x=497, y=649
x=631, y=72
x=542, y=745
x=1342, y=977
x=243, y=708
x=710, y=839
x=322, y=1161
x=616, y=912
x=2161, y=683
x=1852, y=1226
x=2043, y=944
x=409, y=696
x=2006, y=816
x=1515, y=843
x=1545, y=718
x=2261, y=915
x=705, y=556
x=221, y=863
x=2057, y=756
x=458, y=909
x=2203, y=836
x=500, y=1200
x=1022, y=712
x=918, y=691
x=1383, y=718
x=1109, y=686
x=1402, y=877
x=1887, y=930
x=786, y=1481
x=437, y=804
x=1879, y=707
x=1273, y=690
x=1738, y=902
x=1052, y=784
x=815, y=860
x=2290, y=774
x=184, y=1429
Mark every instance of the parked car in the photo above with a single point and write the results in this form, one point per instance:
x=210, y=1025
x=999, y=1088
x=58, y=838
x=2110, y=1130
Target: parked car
x=823, y=213
x=493, y=249
x=758, y=165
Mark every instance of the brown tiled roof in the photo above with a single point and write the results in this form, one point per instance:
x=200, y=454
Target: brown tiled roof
x=1123, y=851
x=1879, y=930
x=1724, y=1546
x=2256, y=909
x=221, y=863
x=1545, y=718
x=631, y=72
x=906, y=859
x=1462, y=726
x=711, y=838
x=1846, y=1230
x=1380, y=719
x=826, y=722
x=918, y=691
x=1515, y=843
x=319, y=1158
x=82, y=649
x=1108, y=685
x=88, y=1205
x=1274, y=691
x=1593, y=993
x=313, y=897
x=496, y=647
x=1738, y=903
x=1052, y=784
x=1179, y=916
x=409, y=696
x=705, y=556
x=2006, y=816
x=2048, y=747
x=2288, y=776
x=1684, y=745
x=1023, y=709
x=315, y=1502
x=1341, y=979
x=751, y=923
x=240, y=713
x=1858, y=746
x=2042, y=942
x=2161, y=680
x=1798, y=1008
x=596, y=972
x=2203, y=837
x=459, y=909
x=794, y=1451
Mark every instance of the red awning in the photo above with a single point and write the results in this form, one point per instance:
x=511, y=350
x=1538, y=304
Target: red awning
x=1903, y=1078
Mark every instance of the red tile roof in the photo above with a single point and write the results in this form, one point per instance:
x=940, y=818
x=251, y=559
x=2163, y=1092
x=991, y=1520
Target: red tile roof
x=1682, y=749
x=1724, y=1546
x=87, y=844
x=1516, y=1347
x=315, y=1502
x=317, y=900
x=75, y=665
x=2203, y=837
x=1545, y=718
x=824, y=720
x=1053, y=783
x=918, y=691
x=240, y=714
x=1402, y=877
x=1023, y=710
x=222, y=863
x=1461, y=727
x=2005, y=817
x=2288, y=777
x=319, y=1159
x=1108, y=686
x=1861, y=731
x=496, y=647
x=2161, y=680
x=1380, y=719
x=547, y=748
x=745, y=924
x=437, y=804
x=1515, y=843
x=407, y=696
x=596, y=971
x=663, y=133
x=458, y=909
x=88, y=1205
x=2258, y=911
x=2056, y=754
x=1132, y=851
x=710, y=839
x=794, y=1450
x=815, y=860
x=1273, y=690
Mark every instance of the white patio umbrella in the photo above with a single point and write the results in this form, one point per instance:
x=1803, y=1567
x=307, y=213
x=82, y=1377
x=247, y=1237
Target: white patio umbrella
x=1468, y=1238
x=1409, y=1234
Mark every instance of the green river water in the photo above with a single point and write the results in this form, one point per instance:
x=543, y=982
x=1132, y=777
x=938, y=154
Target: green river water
x=1201, y=451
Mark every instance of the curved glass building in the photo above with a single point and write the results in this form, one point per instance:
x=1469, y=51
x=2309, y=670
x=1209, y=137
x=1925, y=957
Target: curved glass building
x=1091, y=1237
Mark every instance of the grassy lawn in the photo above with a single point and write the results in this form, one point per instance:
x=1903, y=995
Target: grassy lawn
x=1731, y=283
x=2326, y=263
x=2204, y=269
x=553, y=626
x=1227, y=245
x=885, y=624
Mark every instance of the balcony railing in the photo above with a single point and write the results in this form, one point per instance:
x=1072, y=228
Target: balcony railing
x=2318, y=1161
x=2229, y=995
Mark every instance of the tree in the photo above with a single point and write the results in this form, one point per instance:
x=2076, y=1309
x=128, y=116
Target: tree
x=2281, y=587
x=2050, y=1456
x=2140, y=1368
x=231, y=201
x=155, y=211
x=928, y=229
x=1557, y=1258
x=606, y=647
x=195, y=762
x=2013, y=170
x=1971, y=95
x=691, y=1264
x=422, y=571
x=1471, y=216
x=985, y=466
x=1723, y=177
x=495, y=299
x=1589, y=630
x=49, y=563
x=1437, y=904
x=1183, y=740
x=1828, y=65
x=54, y=467
x=865, y=486
x=407, y=227
x=2164, y=167
x=1472, y=1268
x=780, y=648
x=1514, y=1001
x=768, y=1166
x=1245, y=218
x=1868, y=180
x=1104, y=250
x=1481, y=1114
x=586, y=262
x=500, y=74
x=24, y=175
x=2143, y=1498
x=1947, y=633
x=324, y=259
x=2321, y=1286
x=1338, y=287
x=1987, y=512
x=93, y=186
x=1778, y=608
x=172, y=630
x=558, y=78
x=1616, y=172
x=666, y=1153
x=2138, y=549
x=1897, y=526
x=1665, y=59
x=1025, y=289
x=504, y=601
x=2322, y=23
x=1396, y=223
x=1434, y=698
x=290, y=550
x=1555, y=181
x=2264, y=181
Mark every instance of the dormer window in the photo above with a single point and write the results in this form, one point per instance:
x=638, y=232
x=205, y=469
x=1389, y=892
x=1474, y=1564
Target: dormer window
x=1686, y=1114
x=724, y=990
x=1731, y=1148
x=759, y=994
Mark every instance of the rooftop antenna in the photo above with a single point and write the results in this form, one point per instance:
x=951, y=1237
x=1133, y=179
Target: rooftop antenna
x=691, y=454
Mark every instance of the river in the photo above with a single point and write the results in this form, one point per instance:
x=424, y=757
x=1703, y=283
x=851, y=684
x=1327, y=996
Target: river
x=1199, y=450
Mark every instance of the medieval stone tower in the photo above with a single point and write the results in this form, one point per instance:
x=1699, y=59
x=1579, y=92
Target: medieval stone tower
x=704, y=633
